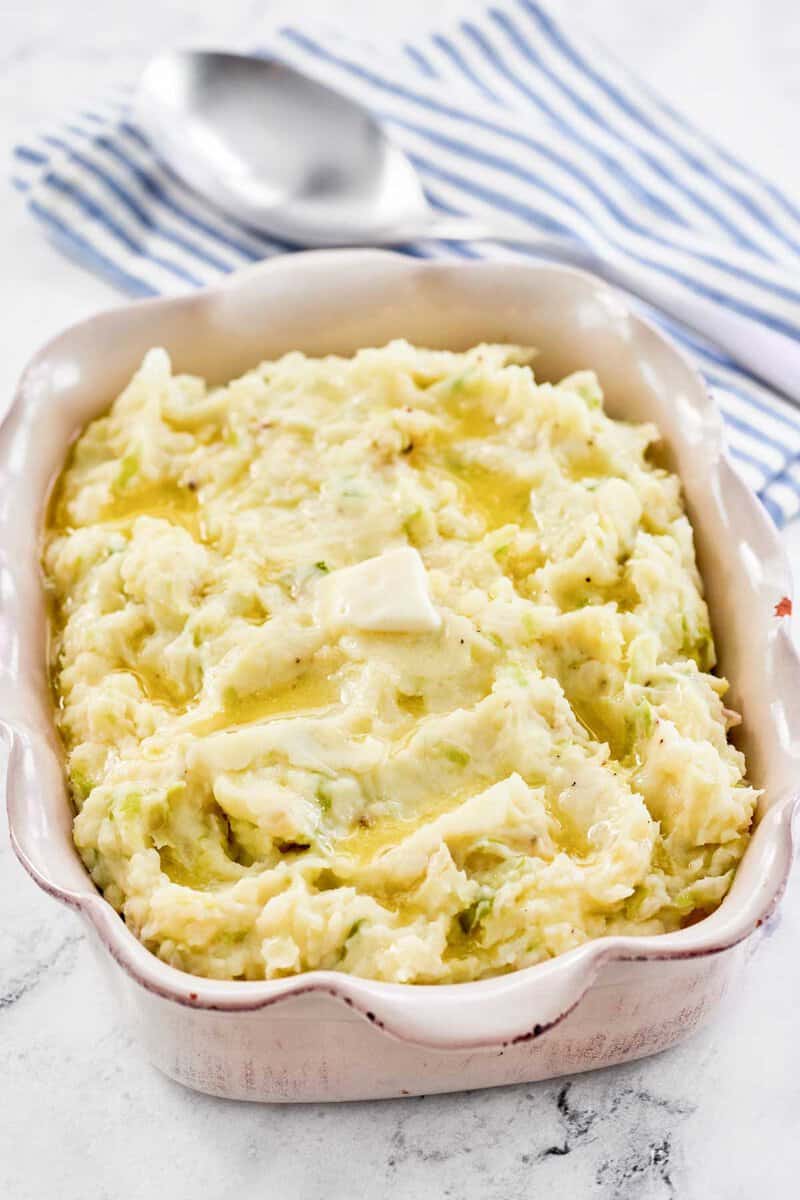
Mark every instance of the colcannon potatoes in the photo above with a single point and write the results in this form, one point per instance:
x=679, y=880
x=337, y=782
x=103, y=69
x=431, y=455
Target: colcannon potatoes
x=396, y=664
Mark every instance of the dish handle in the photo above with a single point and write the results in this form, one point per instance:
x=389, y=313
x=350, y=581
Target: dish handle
x=502, y=1011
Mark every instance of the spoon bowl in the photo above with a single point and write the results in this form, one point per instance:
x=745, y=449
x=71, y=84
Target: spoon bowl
x=276, y=149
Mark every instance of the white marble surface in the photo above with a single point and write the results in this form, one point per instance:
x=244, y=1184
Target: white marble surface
x=81, y=1114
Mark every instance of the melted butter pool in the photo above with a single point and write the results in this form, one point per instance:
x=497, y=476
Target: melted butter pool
x=498, y=497
x=166, y=501
x=306, y=694
x=365, y=844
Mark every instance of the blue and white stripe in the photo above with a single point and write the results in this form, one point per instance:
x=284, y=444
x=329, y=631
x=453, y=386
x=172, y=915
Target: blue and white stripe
x=507, y=112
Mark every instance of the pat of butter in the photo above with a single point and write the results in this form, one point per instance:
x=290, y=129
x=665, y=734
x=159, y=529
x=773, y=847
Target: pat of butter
x=387, y=594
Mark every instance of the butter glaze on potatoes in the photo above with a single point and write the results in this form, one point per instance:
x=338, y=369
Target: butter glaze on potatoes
x=266, y=783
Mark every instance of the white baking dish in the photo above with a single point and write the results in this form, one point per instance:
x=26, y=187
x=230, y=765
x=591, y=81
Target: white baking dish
x=325, y=1035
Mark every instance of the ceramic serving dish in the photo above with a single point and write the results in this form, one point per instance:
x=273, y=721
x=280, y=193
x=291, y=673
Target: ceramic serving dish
x=324, y=1035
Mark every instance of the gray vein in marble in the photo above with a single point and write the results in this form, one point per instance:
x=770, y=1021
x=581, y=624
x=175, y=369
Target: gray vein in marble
x=60, y=961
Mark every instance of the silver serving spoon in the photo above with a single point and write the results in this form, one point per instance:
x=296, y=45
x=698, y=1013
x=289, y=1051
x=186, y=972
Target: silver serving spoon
x=304, y=163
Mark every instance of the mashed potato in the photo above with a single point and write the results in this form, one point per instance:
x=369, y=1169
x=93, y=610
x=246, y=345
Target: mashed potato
x=396, y=665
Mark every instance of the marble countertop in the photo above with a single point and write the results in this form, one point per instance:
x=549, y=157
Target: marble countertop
x=82, y=1113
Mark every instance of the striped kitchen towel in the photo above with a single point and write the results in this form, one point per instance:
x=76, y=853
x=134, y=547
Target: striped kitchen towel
x=507, y=112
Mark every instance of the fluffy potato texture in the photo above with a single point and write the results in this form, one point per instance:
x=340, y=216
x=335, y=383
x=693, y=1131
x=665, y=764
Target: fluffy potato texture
x=260, y=792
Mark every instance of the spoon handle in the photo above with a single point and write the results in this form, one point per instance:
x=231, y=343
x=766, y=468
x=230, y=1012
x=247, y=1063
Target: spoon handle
x=770, y=356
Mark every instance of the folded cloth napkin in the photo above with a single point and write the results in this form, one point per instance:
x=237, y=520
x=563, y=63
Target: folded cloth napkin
x=507, y=112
